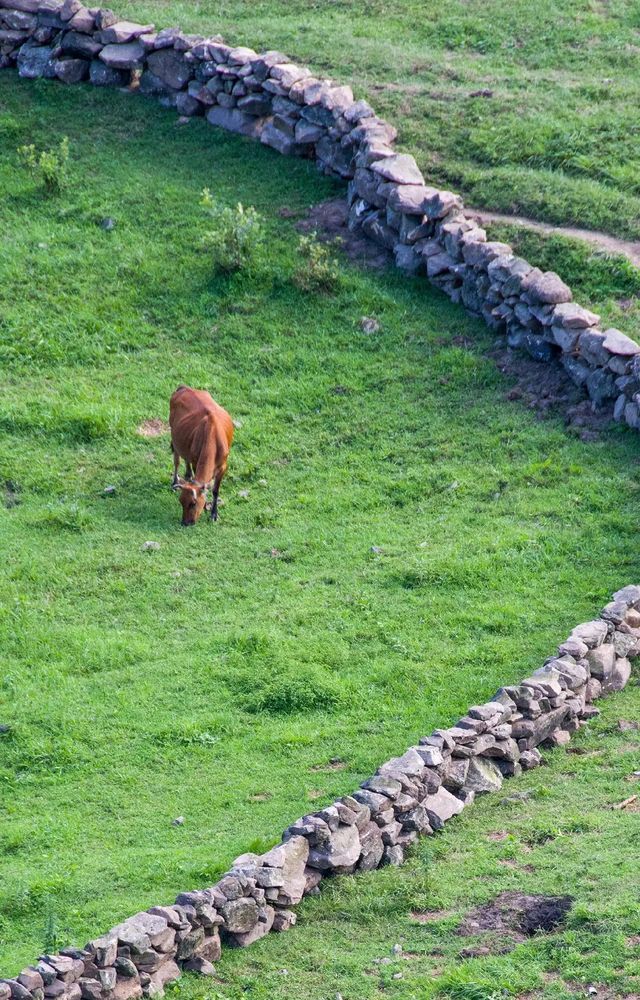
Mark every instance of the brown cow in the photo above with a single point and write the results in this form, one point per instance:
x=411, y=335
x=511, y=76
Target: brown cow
x=201, y=434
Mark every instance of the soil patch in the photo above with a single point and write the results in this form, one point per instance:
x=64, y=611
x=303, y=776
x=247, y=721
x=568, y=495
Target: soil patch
x=516, y=915
x=546, y=389
x=329, y=219
x=153, y=428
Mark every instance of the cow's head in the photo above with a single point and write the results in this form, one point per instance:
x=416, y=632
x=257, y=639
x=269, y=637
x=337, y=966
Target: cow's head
x=193, y=498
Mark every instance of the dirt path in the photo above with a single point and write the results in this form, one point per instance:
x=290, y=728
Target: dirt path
x=628, y=248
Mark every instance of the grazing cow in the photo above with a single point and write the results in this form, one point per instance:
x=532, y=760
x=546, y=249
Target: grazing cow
x=201, y=434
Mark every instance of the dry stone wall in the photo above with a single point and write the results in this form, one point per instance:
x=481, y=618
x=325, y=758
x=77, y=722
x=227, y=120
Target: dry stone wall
x=285, y=106
x=409, y=796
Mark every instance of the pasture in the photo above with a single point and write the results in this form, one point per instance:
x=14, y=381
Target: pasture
x=397, y=538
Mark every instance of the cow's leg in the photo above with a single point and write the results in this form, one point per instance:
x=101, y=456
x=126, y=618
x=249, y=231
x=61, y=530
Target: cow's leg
x=188, y=471
x=176, y=465
x=217, y=479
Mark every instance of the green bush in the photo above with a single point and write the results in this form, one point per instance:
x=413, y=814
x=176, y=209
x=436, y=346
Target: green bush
x=318, y=270
x=237, y=240
x=47, y=165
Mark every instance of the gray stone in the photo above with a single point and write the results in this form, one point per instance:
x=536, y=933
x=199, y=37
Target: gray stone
x=619, y=675
x=482, y=776
x=122, y=31
x=341, y=852
x=546, y=288
x=591, y=633
x=372, y=848
x=171, y=67
x=441, y=807
x=573, y=317
x=235, y=121
x=618, y=343
x=71, y=70
x=103, y=76
x=262, y=926
x=34, y=61
x=601, y=661
x=240, y=915
x=399, y=168
x=127, y=56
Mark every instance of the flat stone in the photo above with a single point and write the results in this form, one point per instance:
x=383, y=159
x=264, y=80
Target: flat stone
x=546, y=288
x=235, y=121
x=410, y=763
x=618, y=343
x=122, y=31
x=400, y=168
x=127, y=56
x=441, y=807
x=573, y=317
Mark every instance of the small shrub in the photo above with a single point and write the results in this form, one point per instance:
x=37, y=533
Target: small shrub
x=47, y=165
x=237, y=240
x=318, y=270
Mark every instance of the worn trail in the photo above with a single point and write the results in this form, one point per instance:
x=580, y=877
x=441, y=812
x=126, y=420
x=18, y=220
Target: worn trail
x=611, y=244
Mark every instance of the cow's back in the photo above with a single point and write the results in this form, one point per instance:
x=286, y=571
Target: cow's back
x=194, y=414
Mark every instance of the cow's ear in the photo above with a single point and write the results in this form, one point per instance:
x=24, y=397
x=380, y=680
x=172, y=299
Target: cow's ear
x=179, y=484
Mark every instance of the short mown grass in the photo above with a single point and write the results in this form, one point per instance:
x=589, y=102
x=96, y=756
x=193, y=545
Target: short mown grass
x=397, y=539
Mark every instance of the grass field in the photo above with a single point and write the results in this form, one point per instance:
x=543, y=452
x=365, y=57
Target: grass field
x=558, y=137
x=218, y=677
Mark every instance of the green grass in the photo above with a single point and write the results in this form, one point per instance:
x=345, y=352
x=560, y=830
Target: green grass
x=558, y=139
x=216, y=677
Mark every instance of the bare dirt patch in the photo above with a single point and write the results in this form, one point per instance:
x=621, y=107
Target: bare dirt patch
x=430, y=916
x=335, y=764
x=328, y=220
x=546, y=389
x=153, y=428
x=516, y=916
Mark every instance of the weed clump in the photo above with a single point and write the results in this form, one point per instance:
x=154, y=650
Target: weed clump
x=47, y=165
x=288, y=693
x=236, y=241
x=318, y=270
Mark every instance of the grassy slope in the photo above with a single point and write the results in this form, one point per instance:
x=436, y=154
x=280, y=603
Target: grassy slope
x=133, y=678
x=559, y=137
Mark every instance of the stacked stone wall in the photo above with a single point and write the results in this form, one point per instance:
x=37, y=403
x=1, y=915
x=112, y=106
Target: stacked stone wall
x=266, y=96
x=409, y=796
